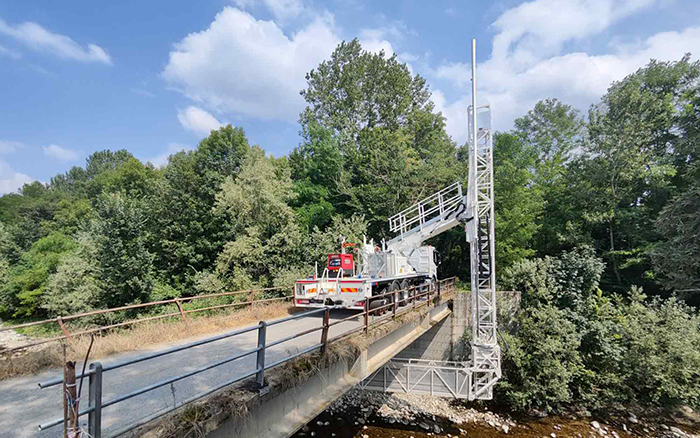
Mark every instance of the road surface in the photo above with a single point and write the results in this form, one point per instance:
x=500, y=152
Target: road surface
x=24, y=406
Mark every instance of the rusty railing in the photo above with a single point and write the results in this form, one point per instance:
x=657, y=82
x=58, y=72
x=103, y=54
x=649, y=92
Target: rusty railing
x=181, y=313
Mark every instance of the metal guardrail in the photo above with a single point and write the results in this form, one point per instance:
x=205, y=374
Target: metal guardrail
x=61, y=320
x=418, y=297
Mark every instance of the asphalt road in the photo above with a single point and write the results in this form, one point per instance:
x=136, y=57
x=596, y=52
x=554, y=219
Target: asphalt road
x=23, y=406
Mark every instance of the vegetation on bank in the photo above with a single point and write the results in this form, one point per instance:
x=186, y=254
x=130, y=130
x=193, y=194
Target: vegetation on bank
x=598, y=222
x=575, y=348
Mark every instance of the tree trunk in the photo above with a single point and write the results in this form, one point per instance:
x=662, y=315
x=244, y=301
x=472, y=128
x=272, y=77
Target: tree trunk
x=612, y=254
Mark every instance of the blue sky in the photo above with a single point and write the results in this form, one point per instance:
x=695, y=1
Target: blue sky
x=154, y=77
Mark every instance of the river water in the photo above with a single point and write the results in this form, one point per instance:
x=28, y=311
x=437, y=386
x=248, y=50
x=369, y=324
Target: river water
x=362, y=414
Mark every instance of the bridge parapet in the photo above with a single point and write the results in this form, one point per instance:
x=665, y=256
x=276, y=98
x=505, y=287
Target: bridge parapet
x=378, y=325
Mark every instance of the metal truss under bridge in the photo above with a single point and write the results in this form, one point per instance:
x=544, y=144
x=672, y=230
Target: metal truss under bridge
x=425, y=377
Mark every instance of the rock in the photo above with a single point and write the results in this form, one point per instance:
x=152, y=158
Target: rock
x=505, y=428
x=327, y=423
x=632, y=418
x=364, y=427
x=436, y=428
x=664, y=427
x=686, y=415
x=595, y=425
x=319, y=423
x=553, y=435
x=313, y=433
x=424, y=426
x=361, y=420
x=677, y=431
x=492, y=424
x=305, y=429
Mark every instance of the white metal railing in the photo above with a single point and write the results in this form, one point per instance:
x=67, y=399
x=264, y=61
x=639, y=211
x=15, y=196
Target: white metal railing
x=427, y=377
x=437, y=205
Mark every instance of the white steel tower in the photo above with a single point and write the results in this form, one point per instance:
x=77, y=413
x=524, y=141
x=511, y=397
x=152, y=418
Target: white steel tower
x=486, y=354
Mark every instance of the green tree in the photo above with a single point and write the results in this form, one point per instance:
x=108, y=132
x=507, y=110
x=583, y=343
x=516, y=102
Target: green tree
x=552, y=132
x=317, y=166
x=23, y=294
x=677, y=257
x=392, y=148
x=267, y=237
x=187, y=232
x=632, y=136
x=74, y=287
x=518, y=200
x=125, y=264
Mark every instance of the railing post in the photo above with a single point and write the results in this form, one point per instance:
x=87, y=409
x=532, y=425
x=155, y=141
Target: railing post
x=95, y=400
x=251, y=298
x=439, y=284
x=262, y=333
x=179, y=307
x=324, y=332
x=366, y=315
x=396, y=302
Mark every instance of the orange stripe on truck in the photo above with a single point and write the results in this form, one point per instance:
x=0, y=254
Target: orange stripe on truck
x=348, y=289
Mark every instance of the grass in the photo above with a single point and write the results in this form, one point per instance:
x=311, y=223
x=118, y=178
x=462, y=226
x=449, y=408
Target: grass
x=137, y=337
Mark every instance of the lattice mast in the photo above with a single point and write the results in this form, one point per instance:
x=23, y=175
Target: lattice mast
x=486, y=362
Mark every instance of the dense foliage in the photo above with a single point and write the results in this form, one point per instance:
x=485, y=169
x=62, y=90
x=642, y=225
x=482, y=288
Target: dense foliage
x=590, y=210
x=574, y=347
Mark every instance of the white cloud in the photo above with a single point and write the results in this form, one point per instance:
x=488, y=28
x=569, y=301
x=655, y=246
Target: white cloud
x=522, y=69
x=539, y=28
x=8, y=52
x=61, y=154
x=11, y=181
x=162, y=159
x=377, y=45
x=38, y=38
x=197, y=120
x=282, y=9
x=249, y=67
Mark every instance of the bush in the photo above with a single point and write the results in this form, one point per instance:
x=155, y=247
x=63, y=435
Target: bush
x=575, y=348
x=542, y=360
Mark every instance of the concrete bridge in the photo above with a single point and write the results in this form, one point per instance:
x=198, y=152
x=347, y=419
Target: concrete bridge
x=432, y=330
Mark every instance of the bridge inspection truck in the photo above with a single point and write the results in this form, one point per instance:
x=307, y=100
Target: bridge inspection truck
x=400, y=264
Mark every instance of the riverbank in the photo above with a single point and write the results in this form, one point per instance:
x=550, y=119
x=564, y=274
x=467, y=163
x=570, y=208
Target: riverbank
x=366, y=414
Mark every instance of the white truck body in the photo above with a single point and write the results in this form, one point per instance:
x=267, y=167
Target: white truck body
x=402, y=262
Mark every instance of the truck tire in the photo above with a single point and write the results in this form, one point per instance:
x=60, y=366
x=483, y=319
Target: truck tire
x=404, y=294
x=395, y=286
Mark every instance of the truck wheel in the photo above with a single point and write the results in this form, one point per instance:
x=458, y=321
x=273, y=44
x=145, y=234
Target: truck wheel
x=395, y=286
x=403, y=295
